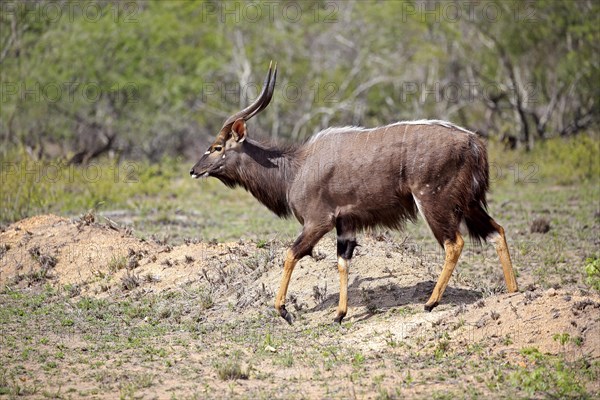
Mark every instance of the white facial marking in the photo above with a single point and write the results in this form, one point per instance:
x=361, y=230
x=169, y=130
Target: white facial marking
x=196, y=176
x=223, y=156
x=207, y=152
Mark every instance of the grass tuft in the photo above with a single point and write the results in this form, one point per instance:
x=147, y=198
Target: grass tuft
x=230, y=370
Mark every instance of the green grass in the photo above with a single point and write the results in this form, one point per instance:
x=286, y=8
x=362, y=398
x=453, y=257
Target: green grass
x=158, y=199
x=592, y=271
x=161, y=199
x=551, y=376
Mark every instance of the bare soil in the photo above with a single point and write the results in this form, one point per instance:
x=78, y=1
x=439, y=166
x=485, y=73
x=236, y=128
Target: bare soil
x=388, y=287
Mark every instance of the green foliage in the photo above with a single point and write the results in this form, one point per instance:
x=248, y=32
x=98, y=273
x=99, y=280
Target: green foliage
x=592, y=271
x=554, y=161
x=154, y=78
x=358, y=359
x=562, y=338
x=551, y=377
x=30, y=187
x=117, y=263
x=570, y=162
x=152, y=192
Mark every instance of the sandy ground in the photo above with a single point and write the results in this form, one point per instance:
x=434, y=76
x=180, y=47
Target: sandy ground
x=96, y=259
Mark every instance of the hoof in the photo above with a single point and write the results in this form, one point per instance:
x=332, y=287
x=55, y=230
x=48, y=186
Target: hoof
x=429, y=307
x=285, y=315
x=338, y=319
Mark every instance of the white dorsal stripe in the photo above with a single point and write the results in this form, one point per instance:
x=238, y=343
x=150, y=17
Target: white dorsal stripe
x=439, y=122
x=335, y=130
x=345, y=129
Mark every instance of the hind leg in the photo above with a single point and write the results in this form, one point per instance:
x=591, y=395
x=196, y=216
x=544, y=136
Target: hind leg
x=504, y=255
x=453, y=249
x=445, y=229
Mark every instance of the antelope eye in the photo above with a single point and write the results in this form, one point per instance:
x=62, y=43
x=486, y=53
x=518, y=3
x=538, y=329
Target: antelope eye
x=218, y=148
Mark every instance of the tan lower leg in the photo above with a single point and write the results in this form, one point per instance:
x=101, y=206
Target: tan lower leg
x=504, y=255
x=288, y=268
x=343, y=265
x=453, y=250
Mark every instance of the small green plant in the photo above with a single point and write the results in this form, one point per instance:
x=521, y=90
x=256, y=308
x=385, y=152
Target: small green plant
x=562, y=338
x=592, y=271
x=269, y=340
x=441, y=348
x=206, y=299
x=117, y=263
x=358, y=359
x=230, y=370
x=287, y=360
x=383, y=394
x=550, y=378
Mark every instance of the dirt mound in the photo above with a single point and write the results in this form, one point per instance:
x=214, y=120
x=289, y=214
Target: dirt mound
x=96, y=257
x=553, y=322
x=388, y=286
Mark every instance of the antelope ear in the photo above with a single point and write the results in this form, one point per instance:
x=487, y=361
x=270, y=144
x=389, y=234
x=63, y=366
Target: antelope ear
x=238, y=130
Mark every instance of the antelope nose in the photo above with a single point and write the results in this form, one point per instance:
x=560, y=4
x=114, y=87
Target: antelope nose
x=192, y=172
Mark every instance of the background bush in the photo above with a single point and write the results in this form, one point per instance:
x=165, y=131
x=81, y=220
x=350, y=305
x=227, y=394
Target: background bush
x=143, y=79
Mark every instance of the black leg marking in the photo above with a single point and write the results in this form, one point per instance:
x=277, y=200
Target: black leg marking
x=285, y=315
x=338, y=319
x=345, y=248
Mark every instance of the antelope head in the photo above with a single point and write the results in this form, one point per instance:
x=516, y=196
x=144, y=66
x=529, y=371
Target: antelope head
x=222, y=155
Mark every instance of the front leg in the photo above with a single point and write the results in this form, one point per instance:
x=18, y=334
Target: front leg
x=288, y=268
x=303, y=246
x=342, y=309
x=346, y=242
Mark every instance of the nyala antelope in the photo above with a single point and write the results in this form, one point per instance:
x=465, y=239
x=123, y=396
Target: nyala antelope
x=352, y=178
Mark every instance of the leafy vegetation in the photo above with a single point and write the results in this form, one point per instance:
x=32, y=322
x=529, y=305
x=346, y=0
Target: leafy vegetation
x=549, y=376
x=147, y=79
x=592, y=271
x=159, y=191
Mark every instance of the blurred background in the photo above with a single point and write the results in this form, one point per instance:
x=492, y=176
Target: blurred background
x=148, y=79
x=96, y=95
